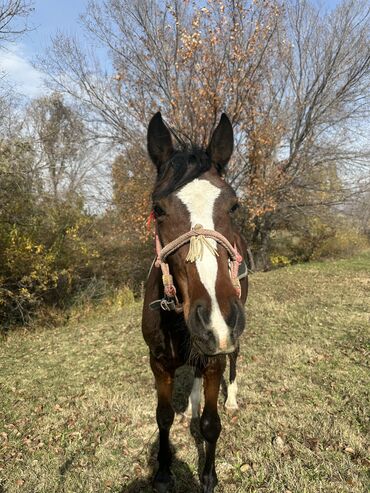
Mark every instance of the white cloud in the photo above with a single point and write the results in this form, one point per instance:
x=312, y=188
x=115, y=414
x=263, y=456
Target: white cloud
x=19, y=72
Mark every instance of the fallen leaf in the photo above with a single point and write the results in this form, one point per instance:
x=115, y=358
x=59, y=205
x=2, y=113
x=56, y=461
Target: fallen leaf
x=349, y=450
x=278, y=442
x=244, y=468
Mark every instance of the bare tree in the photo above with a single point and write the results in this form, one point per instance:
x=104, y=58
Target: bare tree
x=308, y=144
x=295, y=82
x=66, y=160
x=10, y=13
x=13, y=23
x=164, y=57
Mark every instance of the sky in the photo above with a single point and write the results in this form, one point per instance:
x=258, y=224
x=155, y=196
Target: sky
x=49, y=17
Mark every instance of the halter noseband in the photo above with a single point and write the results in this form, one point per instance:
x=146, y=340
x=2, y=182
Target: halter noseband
x=198, y=238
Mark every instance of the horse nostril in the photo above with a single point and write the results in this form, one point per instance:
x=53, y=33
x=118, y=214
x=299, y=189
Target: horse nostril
x=207, y=335
x=201, y=313
x=236, y=320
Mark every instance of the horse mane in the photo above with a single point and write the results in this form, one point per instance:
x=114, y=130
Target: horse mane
x=184, y=166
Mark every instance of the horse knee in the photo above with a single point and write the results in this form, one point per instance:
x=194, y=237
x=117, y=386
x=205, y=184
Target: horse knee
x=210, y=426
x=165, y=417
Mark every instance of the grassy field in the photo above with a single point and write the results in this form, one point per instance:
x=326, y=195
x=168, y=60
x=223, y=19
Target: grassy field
x=77, y=403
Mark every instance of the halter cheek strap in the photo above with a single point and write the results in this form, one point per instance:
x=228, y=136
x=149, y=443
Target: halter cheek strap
x=199, y=240
x=167, y=279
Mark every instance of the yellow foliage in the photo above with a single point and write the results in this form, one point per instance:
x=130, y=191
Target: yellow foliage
x=121, y=297
x=279, y=260
x=346, y=241
x=35, y=269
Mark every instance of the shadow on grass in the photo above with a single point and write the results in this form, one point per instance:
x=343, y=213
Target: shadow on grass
x=183, y=383
x=184, y=481
x=63, y=470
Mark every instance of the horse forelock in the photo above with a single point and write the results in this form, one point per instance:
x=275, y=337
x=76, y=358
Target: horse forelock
x=183, y=167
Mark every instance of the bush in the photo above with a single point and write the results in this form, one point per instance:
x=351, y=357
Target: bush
x=315, y=239
x=43, y=261
x=97, y=295
x=345, y=242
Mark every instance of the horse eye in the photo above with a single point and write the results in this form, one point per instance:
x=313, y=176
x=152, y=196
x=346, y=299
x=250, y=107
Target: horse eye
x=234, y=208
x=158, y=211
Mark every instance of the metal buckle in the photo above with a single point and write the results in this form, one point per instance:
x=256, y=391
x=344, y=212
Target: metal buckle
x=168, y=304
x=155, y=305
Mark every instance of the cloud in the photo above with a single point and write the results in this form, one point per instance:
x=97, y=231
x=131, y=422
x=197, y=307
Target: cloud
x=20, y=73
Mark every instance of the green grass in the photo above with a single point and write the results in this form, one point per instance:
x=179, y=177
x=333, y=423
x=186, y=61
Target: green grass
x=77, y=403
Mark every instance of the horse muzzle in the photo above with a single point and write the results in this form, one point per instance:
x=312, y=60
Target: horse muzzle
x=213, y=334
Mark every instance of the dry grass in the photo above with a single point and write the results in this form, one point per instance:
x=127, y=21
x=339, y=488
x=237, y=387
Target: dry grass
x=78, y=403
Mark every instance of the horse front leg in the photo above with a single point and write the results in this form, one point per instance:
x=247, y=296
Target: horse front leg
x=165, y=415
x=210, y=423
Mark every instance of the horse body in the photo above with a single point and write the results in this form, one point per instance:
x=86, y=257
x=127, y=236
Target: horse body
x=190, y=192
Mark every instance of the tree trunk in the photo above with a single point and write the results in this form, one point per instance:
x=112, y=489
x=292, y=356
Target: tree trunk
x=261, y=242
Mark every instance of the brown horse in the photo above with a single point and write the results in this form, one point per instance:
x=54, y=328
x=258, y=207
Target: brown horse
x=194, y=304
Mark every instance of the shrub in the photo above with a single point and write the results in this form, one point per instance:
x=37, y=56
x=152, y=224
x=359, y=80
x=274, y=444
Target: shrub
x=42, y=261
x=316, y=238
x=345, y=242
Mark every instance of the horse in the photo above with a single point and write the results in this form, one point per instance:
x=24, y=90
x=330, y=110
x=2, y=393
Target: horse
x=193, y=311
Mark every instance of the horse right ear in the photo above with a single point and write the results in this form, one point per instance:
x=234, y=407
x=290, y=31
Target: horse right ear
x=160, y=146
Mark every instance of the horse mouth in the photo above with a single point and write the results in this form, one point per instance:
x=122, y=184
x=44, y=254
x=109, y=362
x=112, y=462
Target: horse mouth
x=204, y=352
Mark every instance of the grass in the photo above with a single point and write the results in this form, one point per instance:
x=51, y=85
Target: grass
x=77, y=403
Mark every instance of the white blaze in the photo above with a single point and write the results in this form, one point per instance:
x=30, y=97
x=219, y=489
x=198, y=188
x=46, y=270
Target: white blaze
x=199, y=197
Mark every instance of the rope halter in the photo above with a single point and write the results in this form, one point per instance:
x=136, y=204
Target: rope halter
x=199, y=240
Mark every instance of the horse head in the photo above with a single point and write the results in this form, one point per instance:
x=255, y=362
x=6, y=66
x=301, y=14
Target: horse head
x=191, y=192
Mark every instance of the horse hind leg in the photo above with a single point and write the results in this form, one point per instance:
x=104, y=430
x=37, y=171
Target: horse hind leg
x=193, y=409
x=232, y=387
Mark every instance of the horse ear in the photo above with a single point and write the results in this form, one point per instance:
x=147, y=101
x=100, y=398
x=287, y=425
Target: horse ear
x=160, y=146
x=221, y=145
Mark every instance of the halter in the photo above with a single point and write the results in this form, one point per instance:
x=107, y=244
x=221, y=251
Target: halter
x=198, y=238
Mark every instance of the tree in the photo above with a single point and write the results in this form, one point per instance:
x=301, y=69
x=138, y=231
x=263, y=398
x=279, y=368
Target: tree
x=190, y=61
x=301, y=149
x=293, y=80
x=10, y=13
x=45, y=244
x=46, y=250
x=66, y=157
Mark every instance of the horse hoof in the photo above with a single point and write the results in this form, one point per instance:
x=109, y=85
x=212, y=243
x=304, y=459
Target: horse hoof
x=231, y=406
x=209, y=483
x=162, y=487
x=163, y=483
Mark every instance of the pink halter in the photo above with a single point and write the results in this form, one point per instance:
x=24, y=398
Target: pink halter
x=198, y=231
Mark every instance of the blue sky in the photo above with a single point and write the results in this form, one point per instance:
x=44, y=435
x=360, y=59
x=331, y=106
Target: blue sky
x=48, y=17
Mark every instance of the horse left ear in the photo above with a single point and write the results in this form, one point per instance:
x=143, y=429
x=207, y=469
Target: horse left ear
x=221, y=145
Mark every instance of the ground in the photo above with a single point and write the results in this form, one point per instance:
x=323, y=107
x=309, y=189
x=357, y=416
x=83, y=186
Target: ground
x=77, y=402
